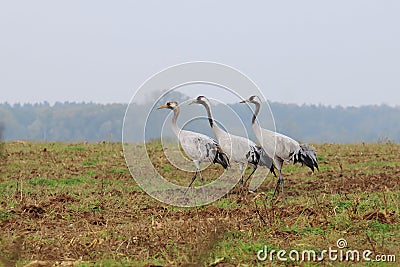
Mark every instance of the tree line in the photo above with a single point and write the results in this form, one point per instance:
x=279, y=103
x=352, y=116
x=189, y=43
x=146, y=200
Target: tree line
x=74, y=122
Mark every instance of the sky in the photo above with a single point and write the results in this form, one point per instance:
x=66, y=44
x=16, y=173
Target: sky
x=314, y=52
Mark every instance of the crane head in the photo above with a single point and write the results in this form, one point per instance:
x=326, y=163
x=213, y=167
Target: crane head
x=170, y=105
x=199, y=100
x=252, y=99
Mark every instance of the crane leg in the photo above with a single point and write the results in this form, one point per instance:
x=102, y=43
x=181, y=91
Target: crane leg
x=201, y=178
x=254, y=169
x=193, y=178
x=276, y=187
x=242, y=170
x=202, y=188
x=280, y=181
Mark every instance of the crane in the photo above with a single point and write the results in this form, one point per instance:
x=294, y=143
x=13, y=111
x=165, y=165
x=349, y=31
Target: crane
x=239, y=149
x=198, y=147
x=281, y=147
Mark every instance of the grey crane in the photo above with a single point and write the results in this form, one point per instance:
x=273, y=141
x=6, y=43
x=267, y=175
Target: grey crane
x=239, y=149
x=197, y=146
x=281, y=147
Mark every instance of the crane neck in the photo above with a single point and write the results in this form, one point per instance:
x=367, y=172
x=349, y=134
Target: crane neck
x=213, y=125
x=255, y=114
x=254, y=124
x=174, y=125
x=209, y=114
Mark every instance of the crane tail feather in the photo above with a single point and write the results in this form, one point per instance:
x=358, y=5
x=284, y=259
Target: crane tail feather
x=307, y=156
x=221, y=158
x=261, y=158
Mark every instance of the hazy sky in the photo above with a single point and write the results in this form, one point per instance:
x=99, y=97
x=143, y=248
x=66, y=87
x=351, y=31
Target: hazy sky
x=319, y=52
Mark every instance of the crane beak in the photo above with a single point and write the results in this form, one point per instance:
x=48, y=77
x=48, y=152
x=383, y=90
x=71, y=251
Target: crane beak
x=244, y=101
x=163, y=106
x=192, y=102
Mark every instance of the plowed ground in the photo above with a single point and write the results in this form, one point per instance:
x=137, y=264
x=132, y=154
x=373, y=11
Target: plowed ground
x=77, y=205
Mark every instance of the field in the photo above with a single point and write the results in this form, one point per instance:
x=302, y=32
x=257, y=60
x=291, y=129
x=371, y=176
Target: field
x=76, y=204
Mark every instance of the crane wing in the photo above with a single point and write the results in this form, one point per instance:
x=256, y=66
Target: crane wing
x=202, y=148
x=278, y=145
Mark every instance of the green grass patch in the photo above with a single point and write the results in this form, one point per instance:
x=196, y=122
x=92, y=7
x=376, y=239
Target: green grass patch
x=73, y=181
x=89, y=163
x=74, y=148
x=225, y=203
x=4, y=215
x=167, y=168
x=116, y=170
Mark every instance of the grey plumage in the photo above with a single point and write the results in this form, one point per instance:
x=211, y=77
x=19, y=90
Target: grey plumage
x=306, y=155
x=239, y=149
x=281, y=147
x=258, y=157
x=197, y=146
x=220, y=157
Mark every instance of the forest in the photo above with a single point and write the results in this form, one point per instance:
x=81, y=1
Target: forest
x=92, y=122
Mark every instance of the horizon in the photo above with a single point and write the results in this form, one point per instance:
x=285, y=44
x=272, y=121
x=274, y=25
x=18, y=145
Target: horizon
x=308, y=123
x=52, y=104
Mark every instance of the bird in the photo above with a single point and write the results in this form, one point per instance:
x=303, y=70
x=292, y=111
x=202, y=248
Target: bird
x=281, y=147
x=198, y=147
x=239, y=149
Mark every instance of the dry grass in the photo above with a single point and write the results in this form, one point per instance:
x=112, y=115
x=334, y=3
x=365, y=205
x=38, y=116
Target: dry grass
x=77, y=205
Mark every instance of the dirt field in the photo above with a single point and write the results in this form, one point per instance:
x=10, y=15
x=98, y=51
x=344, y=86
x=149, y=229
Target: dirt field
x=77, y=205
